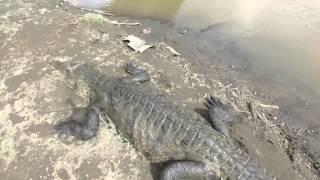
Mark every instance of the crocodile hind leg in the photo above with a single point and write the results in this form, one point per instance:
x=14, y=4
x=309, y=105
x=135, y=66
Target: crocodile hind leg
x=181, y=170
x=136, y=74
x=87, y=128
x=219, y=116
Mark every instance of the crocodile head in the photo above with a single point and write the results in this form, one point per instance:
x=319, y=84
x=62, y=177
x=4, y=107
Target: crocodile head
x=77, y=72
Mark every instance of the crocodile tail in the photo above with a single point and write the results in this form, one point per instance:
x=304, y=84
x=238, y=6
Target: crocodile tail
x=230, y=163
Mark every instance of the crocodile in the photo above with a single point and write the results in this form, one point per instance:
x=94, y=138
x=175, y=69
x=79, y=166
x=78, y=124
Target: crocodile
x=193, y=146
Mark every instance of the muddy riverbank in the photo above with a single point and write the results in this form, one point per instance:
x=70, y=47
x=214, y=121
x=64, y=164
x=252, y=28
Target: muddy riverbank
x=34, y=96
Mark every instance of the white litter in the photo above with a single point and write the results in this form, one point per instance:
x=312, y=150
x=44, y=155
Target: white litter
x=137, y=44
x=173, y=51
x=146, y=31
x=125, y=23
x=91, y=4
x=98, y=11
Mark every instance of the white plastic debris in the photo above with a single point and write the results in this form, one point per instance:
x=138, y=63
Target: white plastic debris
x=97, y=11
x=146, y=31
x=173, y=51
x=125, y=23
x=43, y=11
x=137, y=44
x=91, y=4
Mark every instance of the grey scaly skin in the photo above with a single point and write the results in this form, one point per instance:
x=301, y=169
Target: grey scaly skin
x=159, y=129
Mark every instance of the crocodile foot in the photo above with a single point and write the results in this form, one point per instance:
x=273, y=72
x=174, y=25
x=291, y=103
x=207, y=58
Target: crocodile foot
x=219, y=115
x=136, y=74
x=132, y=69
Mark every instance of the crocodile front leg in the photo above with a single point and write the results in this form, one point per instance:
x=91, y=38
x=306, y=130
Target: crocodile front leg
x=136, y=74
x=82, y=130
x=88, y=128
x=187, y=170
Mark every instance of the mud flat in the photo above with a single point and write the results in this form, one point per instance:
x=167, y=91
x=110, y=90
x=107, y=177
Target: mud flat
x=34, y=97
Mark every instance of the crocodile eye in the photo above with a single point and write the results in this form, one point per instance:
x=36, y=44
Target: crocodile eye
x=68, y=72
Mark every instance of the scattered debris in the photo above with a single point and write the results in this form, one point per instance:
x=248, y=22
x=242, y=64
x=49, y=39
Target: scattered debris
x=43, y=11
x=136, y=43
x=98, y=18
x=146, y=31
x=98, y=11
x=269, y=106
x=173, y=51
x=50, y=43
x=97, y=35
x=124, y=23
x=184, y=31
x=105, y=37
x=91, y=4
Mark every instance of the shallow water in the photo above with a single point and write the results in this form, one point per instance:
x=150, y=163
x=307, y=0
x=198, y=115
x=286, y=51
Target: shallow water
x=278, y=39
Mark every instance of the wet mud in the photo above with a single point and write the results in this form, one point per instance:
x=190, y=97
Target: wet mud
x=34, y=97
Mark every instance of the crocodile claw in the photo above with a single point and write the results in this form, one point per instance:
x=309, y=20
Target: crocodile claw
x=130, y=68
x=214, y=102
x=63, y=129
